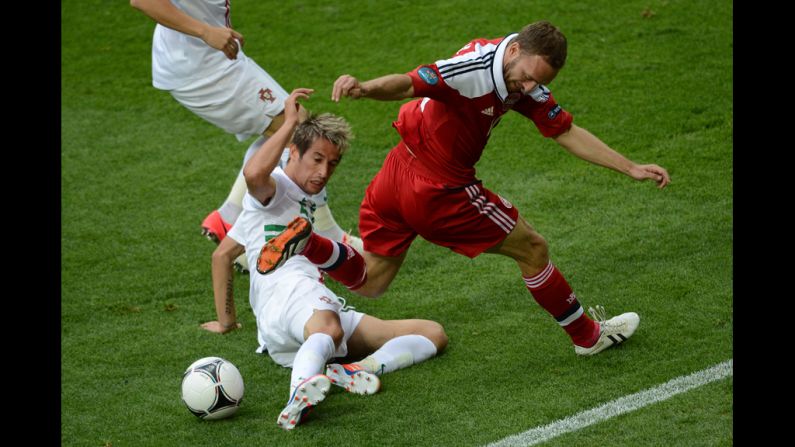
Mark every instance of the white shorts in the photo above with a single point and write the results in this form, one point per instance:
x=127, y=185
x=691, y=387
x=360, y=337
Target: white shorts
x=243, y=101
x=281, y=321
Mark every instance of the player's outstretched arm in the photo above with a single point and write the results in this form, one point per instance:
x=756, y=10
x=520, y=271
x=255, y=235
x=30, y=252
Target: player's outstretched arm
x=391, y=87
x=223, y=290
x=218, y=37
x=587, y=146
x=258, y=169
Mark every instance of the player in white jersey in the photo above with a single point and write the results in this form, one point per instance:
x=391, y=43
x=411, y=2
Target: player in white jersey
x=199, y=59
x=300, y=322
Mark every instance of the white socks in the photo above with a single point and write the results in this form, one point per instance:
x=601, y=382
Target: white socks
x=311, y=358
x=233, y=205
x=400, y=352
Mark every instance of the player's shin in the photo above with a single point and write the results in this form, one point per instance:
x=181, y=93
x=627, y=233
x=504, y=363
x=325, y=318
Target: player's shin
x=397, y=353
x=233, y=205
x=340, y=261
x=311, y=358
x=550, y=289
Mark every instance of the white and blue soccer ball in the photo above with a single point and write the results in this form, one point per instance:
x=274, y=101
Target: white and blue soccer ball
x=212, y=388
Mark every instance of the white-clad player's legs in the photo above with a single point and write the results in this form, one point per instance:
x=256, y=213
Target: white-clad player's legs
x=233, y=205
x=293, y=301
x=243, y=102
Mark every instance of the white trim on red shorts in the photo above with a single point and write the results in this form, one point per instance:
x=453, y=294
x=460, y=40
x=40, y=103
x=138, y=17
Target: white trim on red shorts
x=492, y=211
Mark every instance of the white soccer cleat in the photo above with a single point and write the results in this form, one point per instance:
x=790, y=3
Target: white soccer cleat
x=611, y=332
x=353, y=378
x=241, y=264
x=306, y=395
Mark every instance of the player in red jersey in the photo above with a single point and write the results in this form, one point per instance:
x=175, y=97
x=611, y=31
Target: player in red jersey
x=427, y=184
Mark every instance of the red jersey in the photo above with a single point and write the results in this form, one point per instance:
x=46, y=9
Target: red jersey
x=462, y=99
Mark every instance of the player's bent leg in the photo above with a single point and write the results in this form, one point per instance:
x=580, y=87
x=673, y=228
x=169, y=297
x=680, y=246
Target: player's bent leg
x=395, y=344
x=325, y=322
x=381, y=271
x=372, y=333
x=218, y=222
x=309, y=386
x=547, y=284
x=526, y=246
x=323, y=334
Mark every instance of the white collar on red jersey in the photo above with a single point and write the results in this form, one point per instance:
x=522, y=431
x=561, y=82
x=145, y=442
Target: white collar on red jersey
x=496, y=67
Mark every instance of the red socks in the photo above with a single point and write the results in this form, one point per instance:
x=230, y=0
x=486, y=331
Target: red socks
x=341, y=261
x=554, y=294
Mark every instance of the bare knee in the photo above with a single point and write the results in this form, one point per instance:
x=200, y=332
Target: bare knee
x=381, y=270
x=375, y=286
x=371, y=290
x=334, y=331
x=534, y=254
x=434, y=332
x=325, y=322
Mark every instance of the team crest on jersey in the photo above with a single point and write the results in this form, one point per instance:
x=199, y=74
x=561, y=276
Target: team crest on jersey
x=308, y=208
x=554, y=112
x=265, y=94
x=507, y=204
x=540, y=94
x=428, y=75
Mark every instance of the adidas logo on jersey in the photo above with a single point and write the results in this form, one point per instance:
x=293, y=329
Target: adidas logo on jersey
x=488, y=111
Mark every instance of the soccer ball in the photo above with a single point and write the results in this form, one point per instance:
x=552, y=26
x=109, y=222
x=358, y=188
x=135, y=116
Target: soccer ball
x=212, y=388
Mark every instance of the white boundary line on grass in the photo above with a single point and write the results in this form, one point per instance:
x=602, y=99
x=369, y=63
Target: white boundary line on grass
x=619, y=406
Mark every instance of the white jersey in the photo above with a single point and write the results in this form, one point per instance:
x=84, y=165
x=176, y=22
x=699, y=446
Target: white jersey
x=284, y=300
x=258, y=223
x=179, y=59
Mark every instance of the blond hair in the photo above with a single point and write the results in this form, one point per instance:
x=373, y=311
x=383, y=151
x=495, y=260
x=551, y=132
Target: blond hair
x=327, y=126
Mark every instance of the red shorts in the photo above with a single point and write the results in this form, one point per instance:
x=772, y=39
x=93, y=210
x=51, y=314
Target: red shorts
x=399, y=204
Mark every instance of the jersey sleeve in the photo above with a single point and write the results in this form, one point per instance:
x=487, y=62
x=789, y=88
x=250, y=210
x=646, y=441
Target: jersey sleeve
x=237, y=235
x=548, y=116
x=428, y=82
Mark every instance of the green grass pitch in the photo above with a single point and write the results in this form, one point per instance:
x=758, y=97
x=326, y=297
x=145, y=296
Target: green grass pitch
x=652, y=78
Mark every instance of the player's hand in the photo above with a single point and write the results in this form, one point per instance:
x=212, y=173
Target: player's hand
x=218, y=328
x=223, y=39
x=346, y=85
x=291, y=106
x=653, y=172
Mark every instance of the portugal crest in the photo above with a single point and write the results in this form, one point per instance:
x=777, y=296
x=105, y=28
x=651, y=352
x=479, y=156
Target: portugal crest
x=265, y=94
